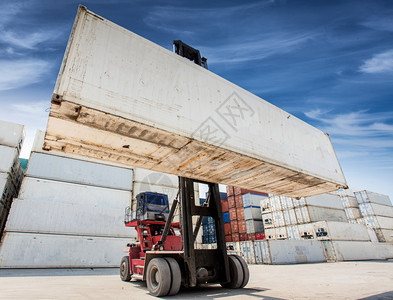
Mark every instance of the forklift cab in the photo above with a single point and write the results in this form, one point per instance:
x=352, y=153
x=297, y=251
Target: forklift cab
x=152, y=206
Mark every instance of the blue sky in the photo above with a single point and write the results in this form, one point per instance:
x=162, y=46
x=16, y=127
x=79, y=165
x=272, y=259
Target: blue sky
x=330, y=63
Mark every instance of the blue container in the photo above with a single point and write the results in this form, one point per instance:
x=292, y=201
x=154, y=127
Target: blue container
x=205, y=239
x=202, y=200
x=212, y=239
x=223, y=196
x=211, y=229
x=205, y=221
x=225, y=216
x=210, y=220
x=205, y=230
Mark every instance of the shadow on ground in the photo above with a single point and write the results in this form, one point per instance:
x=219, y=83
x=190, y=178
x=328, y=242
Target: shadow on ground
x=383, y=296
x=58, y=272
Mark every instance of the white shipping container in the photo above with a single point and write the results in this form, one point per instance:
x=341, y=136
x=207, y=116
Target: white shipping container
x=270, y=233
x=286, y=202
x=267, y=220
x=290, y=217
x=367, y=196
x=369, y=209
x=262, y=253
x=349, y=201
x=352, y=213
x=293, y=232
x=355, y=250
x=293, y=252
x=252, y=212
x=340, y=231
x=281, y=233
x=306, y=231
x=254, y=226
x=252, y=199
x=384, y=235
x=278, y=218
x=127, y=98
x=247, y=251
x=379, y=222
x=373, y=236
x=32, y=250
x=8, y=159
x=53, y=167
x=325, y=200
x=316, y=213
x=11, y=134
x=233, y=248
x=275, y=203
x=299, y=202
x=265, y=206
x=299, y=215
x=155, y=178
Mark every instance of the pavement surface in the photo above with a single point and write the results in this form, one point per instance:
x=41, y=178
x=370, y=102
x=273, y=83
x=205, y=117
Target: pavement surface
x=345, y=280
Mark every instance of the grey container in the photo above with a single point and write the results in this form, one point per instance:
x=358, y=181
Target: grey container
x=367, y=196
x=58, y=168
x=11, y=134
x=340, y=231
x=254, y=226
x=315, y=213
x=325, y=200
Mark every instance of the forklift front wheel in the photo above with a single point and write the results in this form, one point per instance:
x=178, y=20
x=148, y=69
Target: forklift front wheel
x=236, y=273
x=125, y=273
x=175, y=276
x=157, y=279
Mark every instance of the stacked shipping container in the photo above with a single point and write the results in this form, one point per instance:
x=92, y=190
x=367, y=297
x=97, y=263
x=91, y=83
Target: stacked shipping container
x=11, y=173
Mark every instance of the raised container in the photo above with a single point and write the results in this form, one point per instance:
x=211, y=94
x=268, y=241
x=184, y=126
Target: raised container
x=124, y=104
x=11, y=134
x=252, y=212
x=367, y=197
x=254, y=226
x=340, y=231
x=58, y=168
x=34, y=250
x=278, y=252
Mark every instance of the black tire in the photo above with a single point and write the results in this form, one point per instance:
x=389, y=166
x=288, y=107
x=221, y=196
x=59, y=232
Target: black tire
x=125, y=273
x=157, y=277
x=175, y=276
x=246, y=272
x=236, y=273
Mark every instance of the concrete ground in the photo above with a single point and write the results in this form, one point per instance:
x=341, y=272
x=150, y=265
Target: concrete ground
x=345, y=280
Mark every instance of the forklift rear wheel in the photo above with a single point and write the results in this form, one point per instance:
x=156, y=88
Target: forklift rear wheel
x=157, y=279
x=246, y=272
x=175, y=276
x=125, y=274
x=236, y=273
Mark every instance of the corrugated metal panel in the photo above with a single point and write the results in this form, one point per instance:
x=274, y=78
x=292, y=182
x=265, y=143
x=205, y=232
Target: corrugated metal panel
x=296, y=252
x=340, y=231
x=8, y=158
x=376, y=209
x=11, y=134
x=293, y=232
x=325, y=200
x=379, y=222
x=278, y=218
x=31, y=250
x=124, y=98
x=367, y=196
x=247, y=251
x=53, y=167
x=316, y=214
x=350, y=250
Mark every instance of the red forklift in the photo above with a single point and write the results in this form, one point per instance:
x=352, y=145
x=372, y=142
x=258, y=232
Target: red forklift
x=165, y=256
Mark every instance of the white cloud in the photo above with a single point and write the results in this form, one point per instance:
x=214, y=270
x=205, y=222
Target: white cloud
x=27, y=41
x=379, y=63
x=19, y=73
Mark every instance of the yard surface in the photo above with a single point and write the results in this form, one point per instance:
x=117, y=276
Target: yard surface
x=345, y=280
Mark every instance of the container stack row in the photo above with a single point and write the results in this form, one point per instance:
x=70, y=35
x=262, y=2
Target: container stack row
x=11, y=173
x=377, y=212
x=245, y=218
x=68, y=207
